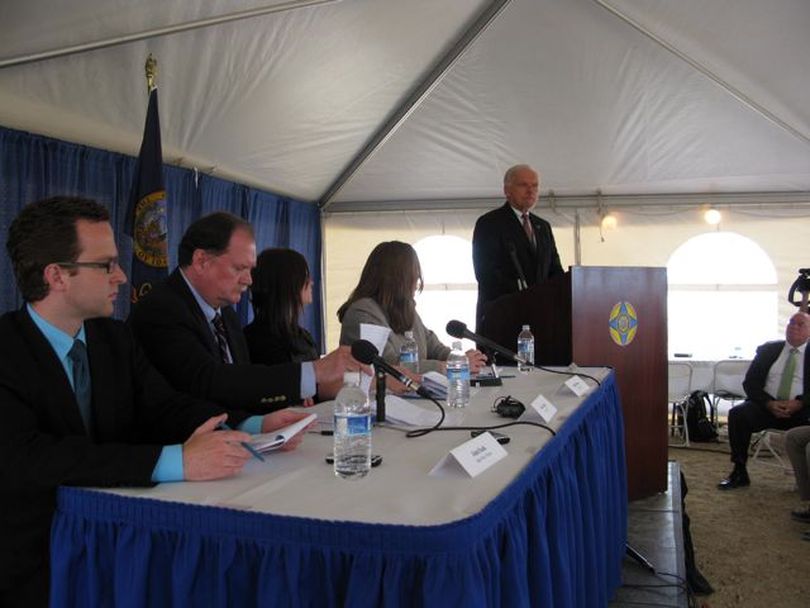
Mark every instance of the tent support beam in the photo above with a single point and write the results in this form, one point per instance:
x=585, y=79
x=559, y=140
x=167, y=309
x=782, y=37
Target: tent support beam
x=584, y=201
x=414, y=99
x=157, y=32
x=729, y=88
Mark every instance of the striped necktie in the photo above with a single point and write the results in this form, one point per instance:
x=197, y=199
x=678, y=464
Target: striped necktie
x=787, y=376
x=81, y=383
x=222, y=337
x=527, y=228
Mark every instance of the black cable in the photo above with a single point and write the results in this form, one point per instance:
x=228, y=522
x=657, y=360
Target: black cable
x=437, y=427
x=557, y=371
x=681, y=584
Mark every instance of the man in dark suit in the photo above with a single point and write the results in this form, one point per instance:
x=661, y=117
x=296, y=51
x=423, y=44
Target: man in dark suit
x=192, y=335
x=80, y=403
x=777, y=387
x=512, y=247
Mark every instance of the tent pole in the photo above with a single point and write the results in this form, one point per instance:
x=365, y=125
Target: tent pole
x=417, y=95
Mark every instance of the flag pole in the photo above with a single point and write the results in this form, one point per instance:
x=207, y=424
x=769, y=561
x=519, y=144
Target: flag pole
x=146, y=215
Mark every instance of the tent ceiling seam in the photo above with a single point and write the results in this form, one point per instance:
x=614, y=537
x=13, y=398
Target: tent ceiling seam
x=158, y=32
x=414, y=99
x=729, y=88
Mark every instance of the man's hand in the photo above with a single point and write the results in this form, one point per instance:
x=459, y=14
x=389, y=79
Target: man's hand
x=211, y=454
x=282, y=418
x=395, y=386
x=330, y=368
x=477, y=360
x=784, y=409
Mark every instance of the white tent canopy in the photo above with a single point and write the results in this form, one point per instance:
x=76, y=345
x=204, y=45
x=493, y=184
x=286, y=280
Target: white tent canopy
x=381, y=107
x=626, y=97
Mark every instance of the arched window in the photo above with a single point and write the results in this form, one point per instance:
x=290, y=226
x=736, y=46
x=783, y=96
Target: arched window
x=722, y=297
x=450, y=289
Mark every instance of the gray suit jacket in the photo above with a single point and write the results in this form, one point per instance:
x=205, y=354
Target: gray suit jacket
x=366, y=310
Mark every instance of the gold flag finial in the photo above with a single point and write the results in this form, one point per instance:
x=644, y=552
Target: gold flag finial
x=151, y=73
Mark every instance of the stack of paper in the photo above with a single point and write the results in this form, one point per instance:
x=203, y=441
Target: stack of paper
x=436, y=384
x=267, y=442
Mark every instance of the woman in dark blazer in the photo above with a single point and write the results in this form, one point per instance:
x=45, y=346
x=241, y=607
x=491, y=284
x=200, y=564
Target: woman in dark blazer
x=282, y=286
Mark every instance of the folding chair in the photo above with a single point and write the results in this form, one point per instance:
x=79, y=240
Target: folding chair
x=679, y=388
x=727, y=384
x=773, y=442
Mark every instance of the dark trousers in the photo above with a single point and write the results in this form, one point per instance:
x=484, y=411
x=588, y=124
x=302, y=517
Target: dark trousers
x=750, y=417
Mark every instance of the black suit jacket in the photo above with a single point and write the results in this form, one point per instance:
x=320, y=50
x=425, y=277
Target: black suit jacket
x=757, y=374
x=178, y=340
x=496, y=233
x=269, y=348
x=43, y=443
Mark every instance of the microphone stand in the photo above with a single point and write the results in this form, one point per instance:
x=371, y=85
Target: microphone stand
x=379, y=374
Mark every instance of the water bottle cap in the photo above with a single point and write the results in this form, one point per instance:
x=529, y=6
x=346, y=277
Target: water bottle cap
x=524, y=327
x=457, y=345
x=409, y=334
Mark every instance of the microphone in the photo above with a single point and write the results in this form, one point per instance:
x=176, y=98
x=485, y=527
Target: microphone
x=457, y=329
x=366, y=353
x=522, y=284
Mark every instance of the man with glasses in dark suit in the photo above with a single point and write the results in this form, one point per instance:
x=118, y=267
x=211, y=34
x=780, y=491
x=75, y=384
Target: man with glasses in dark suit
x=80, y=403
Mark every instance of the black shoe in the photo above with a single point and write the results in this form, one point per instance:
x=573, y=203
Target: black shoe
x=802, y=515
x=806, y=536
x=737, y=479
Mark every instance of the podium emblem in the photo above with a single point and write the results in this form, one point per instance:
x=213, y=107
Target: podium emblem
x=623, y=323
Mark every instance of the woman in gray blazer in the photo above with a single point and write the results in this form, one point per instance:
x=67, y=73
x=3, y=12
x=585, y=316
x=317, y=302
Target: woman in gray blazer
x=384, y=296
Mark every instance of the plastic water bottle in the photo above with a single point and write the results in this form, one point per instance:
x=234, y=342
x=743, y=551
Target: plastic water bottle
x=525, y=348
x=352, y=433
x=409, y=353
x=458, y=377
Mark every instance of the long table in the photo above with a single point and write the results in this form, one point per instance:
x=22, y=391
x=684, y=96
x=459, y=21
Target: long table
x=545, y=526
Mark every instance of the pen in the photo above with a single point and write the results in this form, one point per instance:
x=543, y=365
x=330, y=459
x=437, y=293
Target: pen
x=224, y=427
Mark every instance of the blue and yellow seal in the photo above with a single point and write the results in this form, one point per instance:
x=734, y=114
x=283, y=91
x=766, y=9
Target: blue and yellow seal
x=623, y=323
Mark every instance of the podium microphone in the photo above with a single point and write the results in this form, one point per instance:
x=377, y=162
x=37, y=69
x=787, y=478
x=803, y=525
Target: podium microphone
x=366, y=353
x=457, y=329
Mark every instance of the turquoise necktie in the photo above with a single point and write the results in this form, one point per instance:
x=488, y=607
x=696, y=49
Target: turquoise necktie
x=81, y=382
x=787, y=376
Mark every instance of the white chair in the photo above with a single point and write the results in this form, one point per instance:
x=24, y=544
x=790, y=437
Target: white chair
x=679, y=388
x=727, y=384
x=773, y=441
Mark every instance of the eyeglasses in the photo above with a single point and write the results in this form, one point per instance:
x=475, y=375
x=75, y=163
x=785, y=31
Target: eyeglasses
x=110, y=266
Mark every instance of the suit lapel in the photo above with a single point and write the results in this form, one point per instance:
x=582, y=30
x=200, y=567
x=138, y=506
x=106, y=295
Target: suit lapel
x=102, y=375
x=236, y=341
x=178, y=285
x=61, y=398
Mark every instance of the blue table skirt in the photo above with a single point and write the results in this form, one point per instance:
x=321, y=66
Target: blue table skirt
x=555, y=537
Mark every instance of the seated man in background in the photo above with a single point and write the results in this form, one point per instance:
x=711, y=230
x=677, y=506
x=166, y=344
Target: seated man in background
x=778, y=395
x=797, y=446
x=80, y=403
x=192, y=335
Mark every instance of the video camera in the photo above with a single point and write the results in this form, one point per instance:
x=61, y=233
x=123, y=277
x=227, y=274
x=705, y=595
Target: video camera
x=802, y=285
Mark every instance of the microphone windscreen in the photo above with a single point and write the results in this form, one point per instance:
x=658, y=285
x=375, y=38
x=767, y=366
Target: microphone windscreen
x=456, y=329
x=364, y=351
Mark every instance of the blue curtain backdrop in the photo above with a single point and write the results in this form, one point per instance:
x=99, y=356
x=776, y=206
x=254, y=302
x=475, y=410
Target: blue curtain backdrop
x=34, y=167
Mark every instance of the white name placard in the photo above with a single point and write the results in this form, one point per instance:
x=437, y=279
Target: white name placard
x=472, y=457
x=577, y=385
x=540, y=408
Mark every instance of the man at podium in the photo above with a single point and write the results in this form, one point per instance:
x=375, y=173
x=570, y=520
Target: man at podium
x=512, y=248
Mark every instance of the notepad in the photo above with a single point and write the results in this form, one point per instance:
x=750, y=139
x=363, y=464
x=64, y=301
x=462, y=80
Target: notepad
x=267, y=442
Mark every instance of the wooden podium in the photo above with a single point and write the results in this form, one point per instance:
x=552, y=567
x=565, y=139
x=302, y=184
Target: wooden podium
x=595, y=316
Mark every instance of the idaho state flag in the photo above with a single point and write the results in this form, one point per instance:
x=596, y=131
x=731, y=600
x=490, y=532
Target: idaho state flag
x=146, y=214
